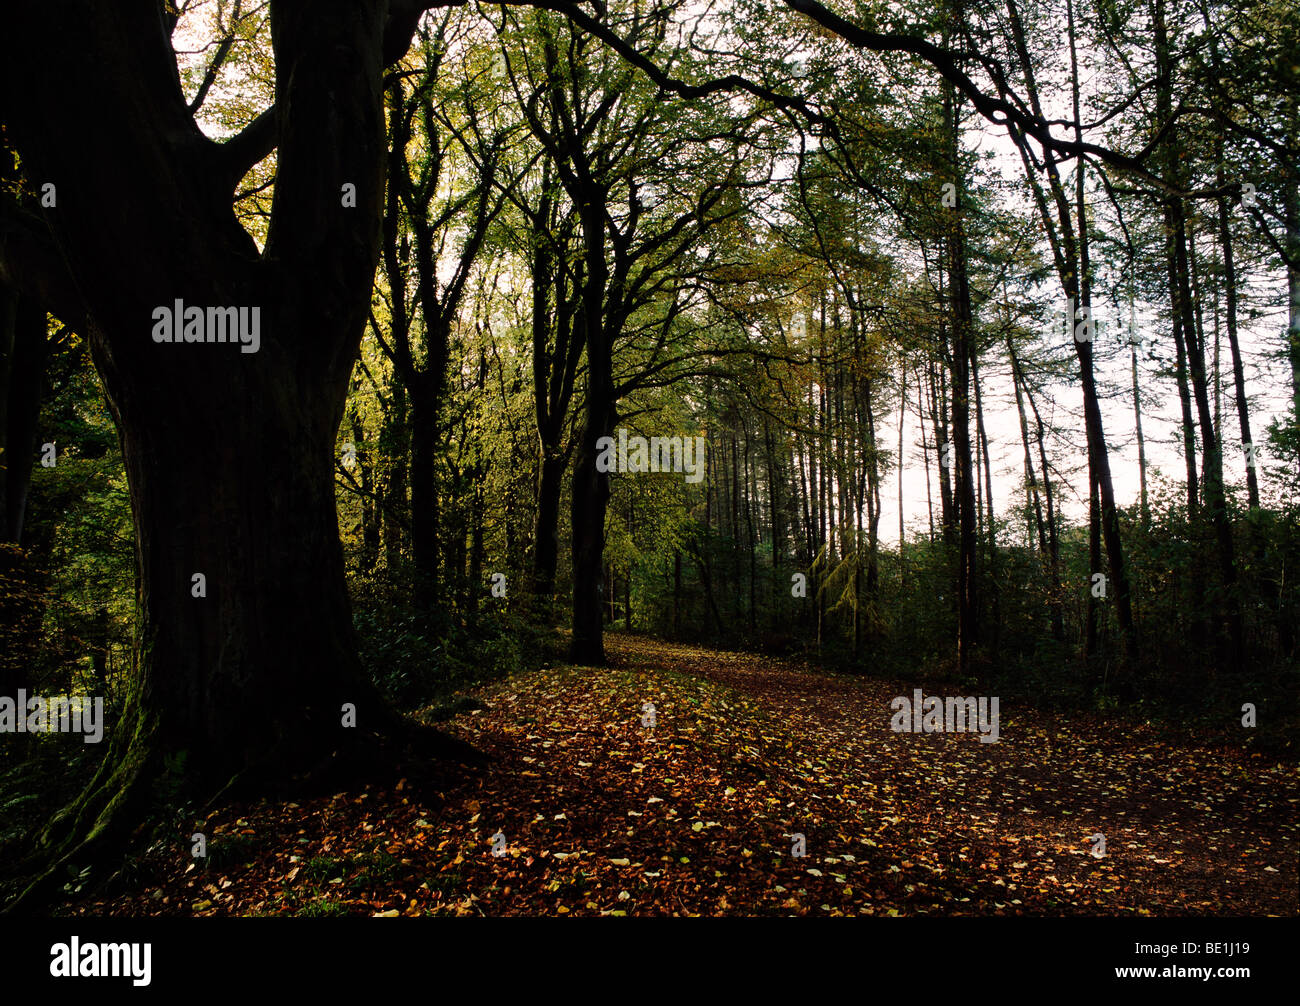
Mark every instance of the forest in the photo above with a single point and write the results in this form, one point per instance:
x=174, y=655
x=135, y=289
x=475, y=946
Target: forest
x=549, y=458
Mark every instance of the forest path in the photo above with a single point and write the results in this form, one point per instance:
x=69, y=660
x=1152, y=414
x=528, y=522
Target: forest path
x=593, y=813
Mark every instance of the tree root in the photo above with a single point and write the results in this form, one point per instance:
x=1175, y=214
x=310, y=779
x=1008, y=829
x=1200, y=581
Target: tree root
x=102, y=823
x=90, y=830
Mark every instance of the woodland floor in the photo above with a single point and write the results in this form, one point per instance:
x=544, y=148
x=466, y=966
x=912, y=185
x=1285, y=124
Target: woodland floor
x=602, y=816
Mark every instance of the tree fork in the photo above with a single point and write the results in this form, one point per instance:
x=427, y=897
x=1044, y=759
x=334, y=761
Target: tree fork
x=250, y=651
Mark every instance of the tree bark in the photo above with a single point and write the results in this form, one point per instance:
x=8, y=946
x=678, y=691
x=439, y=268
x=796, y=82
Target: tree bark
x=1234, y=348
x=968, y=628
x=23, y=348
x=591, y=487
x=229, y=456
x=558, y=339
x=1291, y=211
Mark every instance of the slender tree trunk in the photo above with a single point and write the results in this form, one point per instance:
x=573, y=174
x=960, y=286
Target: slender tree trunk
x=925, y=453
x=902, y=425
x=394, y=443
x=1046, y=551
x=1291, y=211
x=627, y=581
x=368, y=504
x=677, y=593
x=1053, y=541
x=735, y=490
x=591, y=487
x=1215, y=497
x=964, y=482
x=946, y=455
x=1234, y=348
x=477, y=551
x=424, y=496
x=558, y=338
x=1180, y=373
x=751, y=490
x=774, y=480
x=982, y=444
x=1092, y=628
x=23, y=576
x=23, y=348
x=546, y=542
x=1144, y=506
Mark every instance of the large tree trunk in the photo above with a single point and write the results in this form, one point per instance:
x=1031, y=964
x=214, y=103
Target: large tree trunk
x=559, y=334
x=229, y=455
x=261, y=666
x=590, y=500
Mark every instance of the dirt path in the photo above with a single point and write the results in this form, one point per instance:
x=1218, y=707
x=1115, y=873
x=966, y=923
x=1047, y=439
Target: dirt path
x=594, y=813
